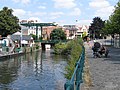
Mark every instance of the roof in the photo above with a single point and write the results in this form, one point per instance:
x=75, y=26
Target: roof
x=70, y=27
x=18, y=37
x=17, y=33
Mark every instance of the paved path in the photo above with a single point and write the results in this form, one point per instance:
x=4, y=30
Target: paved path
x=105, y=72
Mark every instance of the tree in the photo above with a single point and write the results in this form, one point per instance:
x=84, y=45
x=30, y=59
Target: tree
x=8, y=22
x=108, y=29
x=57, y=34
x=33, y=36
x=112, y=26
x=115, y=19
x=96, y=27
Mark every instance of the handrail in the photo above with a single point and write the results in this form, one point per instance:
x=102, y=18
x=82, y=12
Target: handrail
x=76, y=79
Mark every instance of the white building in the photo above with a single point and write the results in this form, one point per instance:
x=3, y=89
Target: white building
x=30, y=30
x=82, y=30
x=74, y=30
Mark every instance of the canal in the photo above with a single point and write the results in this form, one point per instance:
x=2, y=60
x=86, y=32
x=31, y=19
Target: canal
x=33, y=71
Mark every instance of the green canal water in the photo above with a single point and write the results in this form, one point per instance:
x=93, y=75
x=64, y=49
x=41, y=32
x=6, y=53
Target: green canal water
x=34, y=71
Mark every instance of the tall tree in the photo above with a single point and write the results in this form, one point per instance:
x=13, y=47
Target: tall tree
x=96, y=27
x=115, y=19
x=112, y=26
x=57, y=34
x=8, y=22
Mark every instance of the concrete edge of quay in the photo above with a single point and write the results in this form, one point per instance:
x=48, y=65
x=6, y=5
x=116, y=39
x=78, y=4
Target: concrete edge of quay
x=11, y=55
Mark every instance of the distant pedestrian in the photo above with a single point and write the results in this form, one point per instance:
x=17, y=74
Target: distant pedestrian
x=88, y=39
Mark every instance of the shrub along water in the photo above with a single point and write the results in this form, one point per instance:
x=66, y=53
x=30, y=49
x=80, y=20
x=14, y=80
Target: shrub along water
x=72, y=49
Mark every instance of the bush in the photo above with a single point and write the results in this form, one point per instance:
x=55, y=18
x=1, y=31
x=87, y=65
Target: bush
x=37, y=46
x=74, y=57
x=73, y=49
x=59, y=47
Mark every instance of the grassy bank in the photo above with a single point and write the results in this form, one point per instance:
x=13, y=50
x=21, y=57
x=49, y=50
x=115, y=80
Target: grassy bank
x=72, y=49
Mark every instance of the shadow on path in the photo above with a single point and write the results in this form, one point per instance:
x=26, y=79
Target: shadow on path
x=105, y=72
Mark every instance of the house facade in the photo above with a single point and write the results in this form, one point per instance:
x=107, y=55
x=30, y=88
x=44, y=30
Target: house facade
x=30, y=30
x=74, y=30
x=46, y=32
x=82, y=30
x=19, y=39
x=70, y=31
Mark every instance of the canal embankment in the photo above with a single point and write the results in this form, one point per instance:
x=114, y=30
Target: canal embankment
x=18, y=51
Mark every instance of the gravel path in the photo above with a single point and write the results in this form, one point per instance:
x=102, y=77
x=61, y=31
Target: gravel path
x=105, y=72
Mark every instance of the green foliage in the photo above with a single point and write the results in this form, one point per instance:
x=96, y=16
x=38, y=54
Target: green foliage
x=33, y=36
x=59, y=48
x=96, y=27
x=72, y=49
x=57, y=35
x=112, y=26
x=108, y=29
x=37, y=46
x=74, y=56
x=8, y=22
x=116, y=19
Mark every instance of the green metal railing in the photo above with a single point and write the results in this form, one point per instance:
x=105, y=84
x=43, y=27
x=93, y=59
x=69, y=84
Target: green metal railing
x=50, y=41
x=76, y=80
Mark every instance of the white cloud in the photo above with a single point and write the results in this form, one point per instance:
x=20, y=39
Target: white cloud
x=84, y=22
x=64, y=3
x=22, y=1
x=19, y=12
x=76, y=12
x=25, y=1
x=104, y=12
x=99, y=4
x=36, y=13
x=42, y=7
x=102, y=7
x=16, y=1
x=55, y=15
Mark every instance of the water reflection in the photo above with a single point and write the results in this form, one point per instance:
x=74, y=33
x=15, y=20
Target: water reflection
x=34, y=71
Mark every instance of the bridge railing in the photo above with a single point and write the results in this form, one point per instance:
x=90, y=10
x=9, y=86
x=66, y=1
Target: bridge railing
x=76, y=79
x=50, y=41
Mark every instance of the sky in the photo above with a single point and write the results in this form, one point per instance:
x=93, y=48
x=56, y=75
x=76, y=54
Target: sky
x=63, y=12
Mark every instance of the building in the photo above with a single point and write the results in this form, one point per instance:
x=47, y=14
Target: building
x=42, y=31
x=19, y=39
x=82, y=30
x=74, y=30
x=70, y=31
x=30, y=30
x=46, y=32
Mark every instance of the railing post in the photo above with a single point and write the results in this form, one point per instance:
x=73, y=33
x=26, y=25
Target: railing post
x=78, y=76
x=69, y=86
